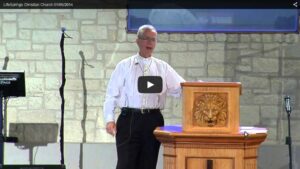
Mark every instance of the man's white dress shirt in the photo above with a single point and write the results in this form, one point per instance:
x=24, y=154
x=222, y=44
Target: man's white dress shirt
x=122, y=90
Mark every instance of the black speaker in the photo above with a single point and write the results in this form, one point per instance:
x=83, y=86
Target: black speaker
x=33, y=167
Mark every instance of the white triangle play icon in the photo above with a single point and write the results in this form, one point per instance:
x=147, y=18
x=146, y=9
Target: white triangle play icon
x=149, y=84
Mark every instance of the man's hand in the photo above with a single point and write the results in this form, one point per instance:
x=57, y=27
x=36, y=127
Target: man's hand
x=111, y=128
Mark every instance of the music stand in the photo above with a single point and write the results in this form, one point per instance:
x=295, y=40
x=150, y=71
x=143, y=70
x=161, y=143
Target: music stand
x=12, y=84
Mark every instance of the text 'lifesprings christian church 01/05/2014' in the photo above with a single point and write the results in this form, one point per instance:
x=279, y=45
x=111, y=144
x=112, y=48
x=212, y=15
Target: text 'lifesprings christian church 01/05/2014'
x=36, y=5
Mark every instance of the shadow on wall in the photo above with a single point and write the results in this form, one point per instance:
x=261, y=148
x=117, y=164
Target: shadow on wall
x=6, y=59
x=84, y=89
x=33, y=134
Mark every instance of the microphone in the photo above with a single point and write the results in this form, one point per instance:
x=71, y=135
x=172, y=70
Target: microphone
x=288, y=107
x=63, y=29
x=136, y=62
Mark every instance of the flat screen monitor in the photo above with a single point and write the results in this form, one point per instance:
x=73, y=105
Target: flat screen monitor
x=215, y=20
x=12, y=83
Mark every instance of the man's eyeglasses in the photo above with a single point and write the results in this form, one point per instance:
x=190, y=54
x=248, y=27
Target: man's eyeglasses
x=147, y=39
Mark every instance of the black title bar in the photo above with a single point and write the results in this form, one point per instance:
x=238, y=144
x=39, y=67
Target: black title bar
x=147, y=4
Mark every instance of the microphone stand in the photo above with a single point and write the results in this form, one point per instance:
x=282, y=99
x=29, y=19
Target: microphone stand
x=61, y=91
x=288, y=139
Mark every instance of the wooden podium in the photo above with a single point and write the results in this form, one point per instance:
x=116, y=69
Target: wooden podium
x=210, y=136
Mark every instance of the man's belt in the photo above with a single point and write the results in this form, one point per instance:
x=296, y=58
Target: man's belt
x=143, y=111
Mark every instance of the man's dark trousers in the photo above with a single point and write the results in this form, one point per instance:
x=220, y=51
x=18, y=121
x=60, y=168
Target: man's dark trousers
x=137, y=147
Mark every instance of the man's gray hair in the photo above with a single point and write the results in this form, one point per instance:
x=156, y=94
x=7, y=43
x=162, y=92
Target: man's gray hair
x=142, y=29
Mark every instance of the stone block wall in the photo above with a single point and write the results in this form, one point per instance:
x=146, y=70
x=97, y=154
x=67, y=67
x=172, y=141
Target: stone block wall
x=268, y=65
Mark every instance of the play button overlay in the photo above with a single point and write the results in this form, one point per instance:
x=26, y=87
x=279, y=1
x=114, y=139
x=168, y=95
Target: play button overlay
x=150, y=84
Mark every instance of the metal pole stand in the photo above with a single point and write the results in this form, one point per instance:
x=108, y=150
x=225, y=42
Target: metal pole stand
x=288, y=139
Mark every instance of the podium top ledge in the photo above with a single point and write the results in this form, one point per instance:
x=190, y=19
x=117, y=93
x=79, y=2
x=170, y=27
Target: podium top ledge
x=211, y=84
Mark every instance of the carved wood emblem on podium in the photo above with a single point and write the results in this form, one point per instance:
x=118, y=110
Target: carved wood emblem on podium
x=211, y=107
x=210, y=110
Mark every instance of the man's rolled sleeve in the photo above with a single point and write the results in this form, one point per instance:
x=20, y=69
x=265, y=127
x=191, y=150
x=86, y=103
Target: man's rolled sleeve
x=113, y=94
x=108, y=109
x=173, y=80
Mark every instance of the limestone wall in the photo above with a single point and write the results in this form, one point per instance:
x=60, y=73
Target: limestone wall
x=268, y=65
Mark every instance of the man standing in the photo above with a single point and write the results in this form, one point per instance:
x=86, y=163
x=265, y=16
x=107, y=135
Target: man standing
x=137, y=147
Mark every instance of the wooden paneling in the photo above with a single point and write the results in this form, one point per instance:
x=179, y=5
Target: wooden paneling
x=209, y=163
x=210, y=136
x=192, y=150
